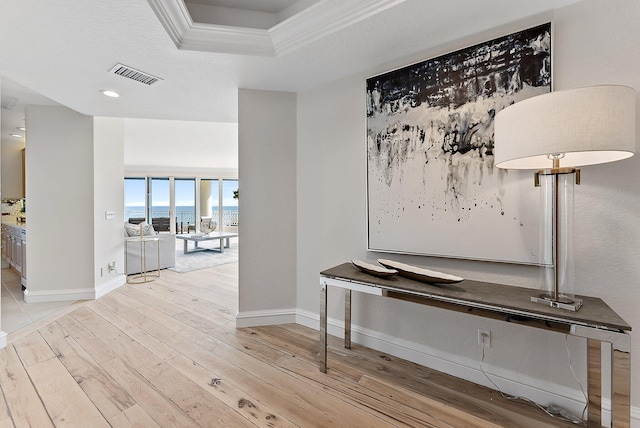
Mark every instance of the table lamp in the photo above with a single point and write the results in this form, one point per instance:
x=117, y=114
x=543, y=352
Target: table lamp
x=554, y=133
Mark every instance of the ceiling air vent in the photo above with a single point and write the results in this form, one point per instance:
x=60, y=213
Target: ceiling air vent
x=133, y=74
x=9, y=102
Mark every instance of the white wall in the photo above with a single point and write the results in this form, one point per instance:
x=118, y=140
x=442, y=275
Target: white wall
x=12, y=169
x=3, y=335
x=60, y=192
x=596, y=42
x=177, y=147
x=267, y=207
x=151, y=171
x=108, y=173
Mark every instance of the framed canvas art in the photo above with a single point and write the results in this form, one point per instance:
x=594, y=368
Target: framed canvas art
x=432, y=188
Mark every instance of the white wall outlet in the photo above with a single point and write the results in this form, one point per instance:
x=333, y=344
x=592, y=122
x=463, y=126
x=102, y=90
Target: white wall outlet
x=484, y=337
x=111, y=266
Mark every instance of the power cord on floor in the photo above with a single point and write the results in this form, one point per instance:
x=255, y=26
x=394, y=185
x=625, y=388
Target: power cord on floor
x=111, y=270
x=584, y=394
x=551, y=410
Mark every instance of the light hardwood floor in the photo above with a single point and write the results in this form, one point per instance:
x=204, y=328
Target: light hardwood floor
x=167, y=354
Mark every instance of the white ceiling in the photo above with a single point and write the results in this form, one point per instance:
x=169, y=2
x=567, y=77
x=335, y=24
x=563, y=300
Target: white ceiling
x=63, y=50
x=269, y=6
x=15, y=98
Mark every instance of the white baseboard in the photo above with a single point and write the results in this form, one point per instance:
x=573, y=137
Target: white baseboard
x=270, y=317
x=464, y=368
x=74, y=294
x=112, y=284
x=3, y=340
x=59, y=295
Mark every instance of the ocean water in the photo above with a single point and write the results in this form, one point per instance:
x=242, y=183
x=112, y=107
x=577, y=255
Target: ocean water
x=184, y=214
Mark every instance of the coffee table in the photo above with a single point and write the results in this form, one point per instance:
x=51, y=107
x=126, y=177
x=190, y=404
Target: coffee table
x=199, y=237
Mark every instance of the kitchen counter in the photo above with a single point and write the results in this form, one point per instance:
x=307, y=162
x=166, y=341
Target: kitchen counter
x=10, y=220
x=14, y=246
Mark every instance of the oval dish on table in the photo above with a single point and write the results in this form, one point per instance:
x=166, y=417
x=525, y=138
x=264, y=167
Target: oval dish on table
x=420, y=274
x=375, y=270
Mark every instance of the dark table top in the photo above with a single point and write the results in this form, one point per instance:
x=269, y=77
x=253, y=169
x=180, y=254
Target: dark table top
x=501, y=298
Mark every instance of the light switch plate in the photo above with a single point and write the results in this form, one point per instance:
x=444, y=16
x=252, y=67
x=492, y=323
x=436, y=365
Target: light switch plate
x=109, y=215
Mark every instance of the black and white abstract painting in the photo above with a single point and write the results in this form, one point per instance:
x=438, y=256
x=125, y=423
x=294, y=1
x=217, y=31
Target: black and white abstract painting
x=431, y=181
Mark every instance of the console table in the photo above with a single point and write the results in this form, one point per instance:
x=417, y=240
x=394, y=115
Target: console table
x=595, y=321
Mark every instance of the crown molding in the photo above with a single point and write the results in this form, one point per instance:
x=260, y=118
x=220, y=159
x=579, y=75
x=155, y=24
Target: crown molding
x=311, y=24
x=321, y=19
x=174, y=17
x=221, y=38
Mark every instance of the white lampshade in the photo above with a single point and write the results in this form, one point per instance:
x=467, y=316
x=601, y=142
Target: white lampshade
x=587, y=125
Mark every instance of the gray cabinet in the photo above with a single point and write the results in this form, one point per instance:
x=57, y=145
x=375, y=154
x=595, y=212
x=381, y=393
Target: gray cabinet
x=14, y=249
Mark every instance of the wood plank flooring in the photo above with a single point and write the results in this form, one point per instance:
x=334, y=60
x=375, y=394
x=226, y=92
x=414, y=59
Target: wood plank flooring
x=167, y=354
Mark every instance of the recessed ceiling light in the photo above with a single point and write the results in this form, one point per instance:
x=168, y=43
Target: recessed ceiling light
x=16, y=135
x=22, y=128
x=109, y=93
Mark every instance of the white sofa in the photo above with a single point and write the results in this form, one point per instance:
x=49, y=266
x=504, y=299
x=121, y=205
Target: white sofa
x=167, y=242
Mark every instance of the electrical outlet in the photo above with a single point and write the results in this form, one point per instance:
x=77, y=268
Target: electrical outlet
x=484, y=338
x=111, y=266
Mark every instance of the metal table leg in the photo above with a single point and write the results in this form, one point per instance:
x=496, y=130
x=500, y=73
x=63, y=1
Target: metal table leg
x=347, y=319
x=594, y=382
x=620, y=388
x=620, y=374
x=323, y=327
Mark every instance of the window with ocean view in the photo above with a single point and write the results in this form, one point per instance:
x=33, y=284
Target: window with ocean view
x=135, y=197
x=209, y=198
x=185, y=197
x=180, y=203
x=229, y=205
x=160, y=198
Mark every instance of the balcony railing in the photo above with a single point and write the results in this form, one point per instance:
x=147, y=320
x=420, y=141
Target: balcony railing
x=229, y=218
x=186, y=218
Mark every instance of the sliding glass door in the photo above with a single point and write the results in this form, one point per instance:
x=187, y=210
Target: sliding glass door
x=135, y=198
x=160, y=198
x=229, y=205
x=209, y=197
x=178, y=204
x=185, y=201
